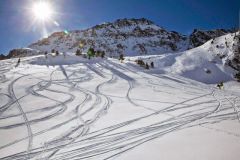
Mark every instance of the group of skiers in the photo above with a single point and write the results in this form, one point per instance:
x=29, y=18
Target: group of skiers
x=143, y=64
x=147, y=66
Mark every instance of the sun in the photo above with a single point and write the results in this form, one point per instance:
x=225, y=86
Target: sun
x=42, y=10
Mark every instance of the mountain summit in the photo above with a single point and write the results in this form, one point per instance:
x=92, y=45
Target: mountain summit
x=127, y=36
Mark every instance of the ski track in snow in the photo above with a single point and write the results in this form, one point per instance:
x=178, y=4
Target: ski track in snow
x=80, y=142
x=26, y=121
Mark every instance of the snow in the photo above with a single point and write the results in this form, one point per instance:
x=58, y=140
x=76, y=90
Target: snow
x=69, y=107
x=201, y=64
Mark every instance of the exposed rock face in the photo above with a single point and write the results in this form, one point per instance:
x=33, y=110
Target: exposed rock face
x=199, y=37
x=235, y=60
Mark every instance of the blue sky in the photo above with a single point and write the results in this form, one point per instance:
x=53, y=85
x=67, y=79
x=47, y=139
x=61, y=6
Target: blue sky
x=17, y=28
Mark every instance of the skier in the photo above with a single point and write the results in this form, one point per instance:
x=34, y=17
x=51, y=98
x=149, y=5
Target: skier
x=18, y=62
x=46, y=54
x=57, y=53
x=152, y=64
x=146, y=66
x=121, y=58
x=220, y=85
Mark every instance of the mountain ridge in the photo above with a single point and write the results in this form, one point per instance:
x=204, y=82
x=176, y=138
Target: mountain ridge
x=124, y=36
x=127, y=36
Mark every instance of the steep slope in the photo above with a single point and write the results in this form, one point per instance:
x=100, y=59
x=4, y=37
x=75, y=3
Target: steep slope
x=217, y=60
x=234, y=61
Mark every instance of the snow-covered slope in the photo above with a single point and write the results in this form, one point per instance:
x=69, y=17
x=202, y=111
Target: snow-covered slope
x=234, y=59
x=69, y=108
x=209, y=63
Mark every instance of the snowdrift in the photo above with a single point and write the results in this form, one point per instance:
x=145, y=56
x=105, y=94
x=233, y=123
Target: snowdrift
x=61, y=59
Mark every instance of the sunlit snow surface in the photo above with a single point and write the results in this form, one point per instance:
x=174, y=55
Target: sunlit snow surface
x=75, y=108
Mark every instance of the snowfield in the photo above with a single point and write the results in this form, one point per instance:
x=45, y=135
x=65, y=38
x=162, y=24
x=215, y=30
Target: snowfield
x=74, y=108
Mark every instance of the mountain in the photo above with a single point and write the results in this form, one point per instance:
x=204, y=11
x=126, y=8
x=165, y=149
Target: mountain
x=20, y=52
x=214, y=61
x=63, y=106
x=128, y=36
x=131, y=37
x=2, y=57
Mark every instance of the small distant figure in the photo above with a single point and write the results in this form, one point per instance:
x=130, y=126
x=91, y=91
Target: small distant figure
x=152, y=64
x=57, y=53
x=45, y=53
x=53, y=51
x=64, y=54
x=226, y=44
x=140, y=62
x=102, y=54
x=18, y=62
x=146, y=66
x=121, y=58
x=220, y=85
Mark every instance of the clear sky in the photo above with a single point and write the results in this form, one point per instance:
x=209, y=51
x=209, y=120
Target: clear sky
x=18, y=27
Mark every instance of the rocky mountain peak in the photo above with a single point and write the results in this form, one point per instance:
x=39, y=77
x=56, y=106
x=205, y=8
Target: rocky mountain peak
x=126, y=36
x=128, y=22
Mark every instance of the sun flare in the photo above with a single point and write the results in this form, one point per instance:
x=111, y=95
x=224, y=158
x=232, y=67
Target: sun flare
x=42, y=10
